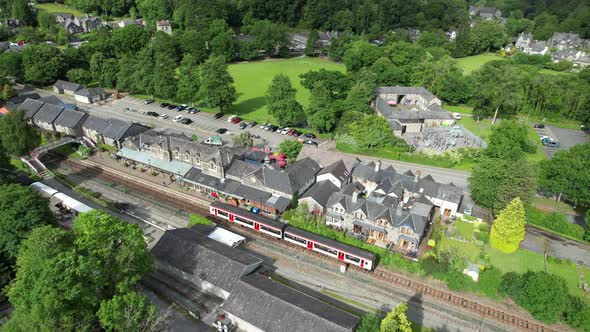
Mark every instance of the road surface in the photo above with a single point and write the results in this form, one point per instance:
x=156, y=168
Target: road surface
x=539, y=241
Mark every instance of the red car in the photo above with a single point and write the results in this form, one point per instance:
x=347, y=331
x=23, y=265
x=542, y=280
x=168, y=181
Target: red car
x=236, y=120
x=292, y=132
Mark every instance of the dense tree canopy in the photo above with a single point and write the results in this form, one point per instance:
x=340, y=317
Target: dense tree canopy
x=281, y=102
x=396, y=320
x=63, y=276
x=16, y=135
x=217, y=85
x=42, y=64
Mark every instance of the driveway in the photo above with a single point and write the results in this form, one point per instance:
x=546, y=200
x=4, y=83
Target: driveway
x=539, y=241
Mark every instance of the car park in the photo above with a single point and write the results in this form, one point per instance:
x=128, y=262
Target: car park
x=181, y=108
x=263, y=126
x=552, y=144
x=294, y=133
x=284, y=131
x=154, y=114
x=273, y=128
x=243, y=125
x=236, y=120
x=309, y=136
x=164, y=105
x=164, y=116
x=192, y=110
x=221, y=131
x=457, y=116
x=218, y=115
x=177, y=118
x=252, y=124
x=149, y=101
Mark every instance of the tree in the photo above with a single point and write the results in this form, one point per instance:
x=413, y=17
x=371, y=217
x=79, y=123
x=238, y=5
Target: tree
x=21, y=10
x=8, y=92
x=269, y=35
x=63, y=277
x=129, y=39
x=311, y=46
x=496, y=182
x=129, y=312
x=568, y=174
x=17, y=136
x=217, y=88
x=396, y=320
x=188, y=79
x=11, y=65
x=508, y=228
x=79, y=75
x=290, y=148
x=42, y=64
x=371, y=131
x=164, y=77
x=281, y=102
x=244, y=140
x=509, y=140
x=335, y=82
x=369, y=323
x=22, y=211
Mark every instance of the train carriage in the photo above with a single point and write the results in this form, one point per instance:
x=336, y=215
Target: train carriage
x=247, y=219
x=329, y=247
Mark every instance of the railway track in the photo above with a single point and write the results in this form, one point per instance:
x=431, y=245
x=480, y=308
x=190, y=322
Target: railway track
x=197, y=205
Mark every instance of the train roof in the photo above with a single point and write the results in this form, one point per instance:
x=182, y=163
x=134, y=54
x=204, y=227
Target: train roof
x=43, y=189
x=250, y=215
x=331, y=243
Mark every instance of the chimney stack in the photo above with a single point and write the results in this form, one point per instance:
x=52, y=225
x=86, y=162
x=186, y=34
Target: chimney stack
x=355, y=196
x=377, y=165
x=417, y=176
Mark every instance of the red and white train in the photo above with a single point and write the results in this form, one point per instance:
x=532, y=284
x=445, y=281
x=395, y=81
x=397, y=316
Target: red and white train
x=335, y=249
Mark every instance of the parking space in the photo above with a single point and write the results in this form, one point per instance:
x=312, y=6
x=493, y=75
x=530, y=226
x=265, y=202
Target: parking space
x=569, y=137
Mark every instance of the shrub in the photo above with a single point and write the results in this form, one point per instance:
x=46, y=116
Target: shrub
x=369, y=323
x=489, y=282
x=510, y=284
x=555, y=222
x=195, y=219
x=577, y=314
x=482, y=236
x=458, y=281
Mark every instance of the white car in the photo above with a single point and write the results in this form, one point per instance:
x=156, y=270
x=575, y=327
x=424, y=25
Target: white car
x=177, y=118
x=457, y=116
x=262, y=126
x=285, y=131
x=231, y=118
x=164, y=116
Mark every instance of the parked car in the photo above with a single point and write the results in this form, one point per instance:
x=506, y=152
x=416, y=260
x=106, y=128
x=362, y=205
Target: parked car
x=186, y=121
x=231, y=118
x=164, y=105
x=177, y=118
x=468, y=210
x=293, y=132
x=273, y=128
x=552, y=144
x=154, y=114
x=236, y=120
x=218, y=115
x=192, y=110
x=221, y=131
x=539, y=125
x=149, y=101
x=457, y=116
x=309, y=136
x=263, y=126
x=243, y=125
x=171, y=106
x=252, y=124
x=285, y=130
x=164, y=116
x=310, y=142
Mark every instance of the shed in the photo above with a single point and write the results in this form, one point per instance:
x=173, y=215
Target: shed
x=226, y=237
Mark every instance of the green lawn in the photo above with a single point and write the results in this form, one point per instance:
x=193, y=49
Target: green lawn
x=520, y=261
x=475, y=62
x=253, y=78
x=58, y=8
x=465, y=229
x=463, y=109
x=559, y=206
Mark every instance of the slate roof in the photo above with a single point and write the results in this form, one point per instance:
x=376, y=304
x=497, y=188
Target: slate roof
x=30, y=107
x=70, y=118
x=95, y=123
x=65, y=85
x=240, y=168
x=47, y=113
x=221, y=156
x=22, y=98
x=51, y=99
x=272, y=306
x=338, y=169
x=321, y=192
x=204, y=258
x=90, y=92
x=433, y=112
x=406, y=90
x=119, y=130
x=293, y=178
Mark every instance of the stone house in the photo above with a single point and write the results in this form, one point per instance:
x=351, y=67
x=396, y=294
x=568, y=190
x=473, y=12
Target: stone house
x=90, y=95
x=46, y=115
x=164, y=26
x=485, y=13
x=69, y=122
x=66, y=88
x=565, y=40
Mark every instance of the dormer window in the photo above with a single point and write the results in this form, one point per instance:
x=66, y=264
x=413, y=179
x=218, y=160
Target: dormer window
x=405, y=230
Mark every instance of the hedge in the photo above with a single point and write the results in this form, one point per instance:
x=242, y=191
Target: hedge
x=555, y=222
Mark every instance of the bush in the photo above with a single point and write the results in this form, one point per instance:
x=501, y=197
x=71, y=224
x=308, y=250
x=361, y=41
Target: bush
x=489, y=282
x=510, y=284
x=369, y=323
x=577, y=314
x=195, y=219
x=482, y=236
x=555, y=222
x=458, y=281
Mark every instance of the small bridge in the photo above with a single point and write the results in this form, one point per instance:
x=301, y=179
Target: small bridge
x=33, y=158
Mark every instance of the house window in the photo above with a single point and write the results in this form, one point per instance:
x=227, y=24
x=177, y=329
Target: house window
x=358, y=215
x=405, y=230
x=357, y=229
x=329, y=219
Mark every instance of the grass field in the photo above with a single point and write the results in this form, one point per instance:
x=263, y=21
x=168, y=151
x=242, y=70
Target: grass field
x=253, y=78
x=475, y=62
x=58, y=8
x=520, y=261
x=463, y=109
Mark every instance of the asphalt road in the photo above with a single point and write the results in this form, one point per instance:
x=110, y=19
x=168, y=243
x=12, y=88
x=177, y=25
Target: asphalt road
x=569, y=137
x=539, y=241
